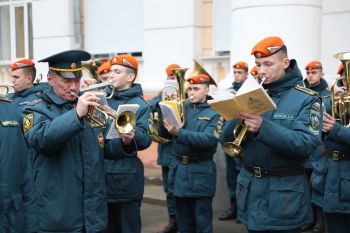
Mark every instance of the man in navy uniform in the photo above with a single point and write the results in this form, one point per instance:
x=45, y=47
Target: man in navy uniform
x=124, y=170
x=18, y=209
x=68, y=152
x=23, y=73
x=315, y=82
x=192, y=174
x=240, y=74
x=272, y=189
x=165, y=156
x=331, y=177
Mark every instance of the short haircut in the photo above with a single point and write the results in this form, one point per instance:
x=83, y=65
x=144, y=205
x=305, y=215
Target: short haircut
x=30, y=71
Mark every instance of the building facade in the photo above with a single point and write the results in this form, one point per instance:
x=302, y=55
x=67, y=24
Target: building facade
x=217, y=33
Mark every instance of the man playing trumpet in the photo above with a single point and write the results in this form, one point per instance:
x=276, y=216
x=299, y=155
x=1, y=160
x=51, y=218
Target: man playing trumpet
x=67, y=153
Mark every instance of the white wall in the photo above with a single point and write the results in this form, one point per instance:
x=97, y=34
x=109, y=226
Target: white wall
x=297, y=22
x=113, y=26
x=335, y=33
x=53, y=30
x=171, y=35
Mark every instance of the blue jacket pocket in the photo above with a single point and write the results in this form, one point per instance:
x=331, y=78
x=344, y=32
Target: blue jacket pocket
x=242, y=189
x=122, y=180
x=202, y=178
x=344, y=184
x=318, y=177
x=285, y=197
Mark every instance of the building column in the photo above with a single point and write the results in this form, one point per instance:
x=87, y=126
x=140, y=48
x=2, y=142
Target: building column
x=299, y=26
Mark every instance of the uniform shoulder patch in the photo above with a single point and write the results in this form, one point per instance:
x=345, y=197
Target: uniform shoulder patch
x=28, y=122
x=4, y=99
x=305, y=90
x=31, y=103
x=218, y=128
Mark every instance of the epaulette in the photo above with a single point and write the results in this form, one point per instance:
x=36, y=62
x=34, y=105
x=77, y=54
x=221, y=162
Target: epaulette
x=306, y=90
x=143, y=98
x=31, y=103
x=5, y=99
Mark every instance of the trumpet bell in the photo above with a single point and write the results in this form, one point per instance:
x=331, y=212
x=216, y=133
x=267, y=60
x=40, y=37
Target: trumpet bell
x=233, y=150
x=125, y=122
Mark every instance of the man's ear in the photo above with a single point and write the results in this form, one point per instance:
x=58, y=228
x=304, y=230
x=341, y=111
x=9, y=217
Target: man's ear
x=286, y=63
x=131, y=77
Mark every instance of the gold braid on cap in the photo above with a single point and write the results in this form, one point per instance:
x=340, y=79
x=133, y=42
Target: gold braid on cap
x=65, y=70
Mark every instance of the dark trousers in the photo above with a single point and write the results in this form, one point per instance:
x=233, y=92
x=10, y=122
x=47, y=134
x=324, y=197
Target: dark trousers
x=124, y=217
x=231, y=177
x=338, y=223
x=194, y=215
x=170, y=200
x=280, y=231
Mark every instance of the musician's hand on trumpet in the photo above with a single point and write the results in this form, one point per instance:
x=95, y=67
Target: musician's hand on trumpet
x=127, y=137
x=253, y=122
x=87, y=82
x=84, y=101
x=328, y=122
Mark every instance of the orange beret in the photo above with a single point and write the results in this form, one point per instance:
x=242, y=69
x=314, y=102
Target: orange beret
x=254, y=71
x=240, y=65
x=198, y=79
x=21, y=64
x=104, y=68
x=267, y=47
x=340, y=69
x=313, y=65
x=125, y=60
x=170, y=68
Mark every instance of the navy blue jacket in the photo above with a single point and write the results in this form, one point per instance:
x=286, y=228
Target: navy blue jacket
x=286, y=138
x=124, y=170
x=198, y=138
x=17, y=202
x=68, y=166
x=321, y=88
x=330, y=179
x=21, y=99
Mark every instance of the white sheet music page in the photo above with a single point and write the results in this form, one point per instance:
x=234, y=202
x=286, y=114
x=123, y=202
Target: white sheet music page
x=113, y=132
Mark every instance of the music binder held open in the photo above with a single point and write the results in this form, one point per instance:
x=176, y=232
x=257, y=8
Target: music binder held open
x=250, y=98
x=170, y=112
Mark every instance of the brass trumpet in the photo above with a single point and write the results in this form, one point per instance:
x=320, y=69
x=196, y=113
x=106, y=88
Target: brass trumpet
x=100, y=87
x=341, y=107
x=234, y=149
x=125, y=121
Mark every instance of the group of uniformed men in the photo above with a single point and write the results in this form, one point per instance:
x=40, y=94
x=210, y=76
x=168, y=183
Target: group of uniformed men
x=64, y=175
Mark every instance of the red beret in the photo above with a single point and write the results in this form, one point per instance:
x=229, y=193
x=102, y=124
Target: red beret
x=340, y=69
x=198, y=79
x=170, y=68
x=313, y=65
x=125, y=60
x=21, y=64
x=104, y=68
x=267, y=47
x=240, y=65
x=254, y=71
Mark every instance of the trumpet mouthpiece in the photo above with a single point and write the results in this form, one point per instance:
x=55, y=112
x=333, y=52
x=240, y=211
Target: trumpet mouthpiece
x=72, y=94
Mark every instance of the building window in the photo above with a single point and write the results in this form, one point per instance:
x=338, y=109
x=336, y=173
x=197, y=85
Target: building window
x=16, y=37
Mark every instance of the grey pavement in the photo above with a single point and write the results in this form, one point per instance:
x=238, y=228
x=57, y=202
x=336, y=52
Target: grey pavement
x=154, y=210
